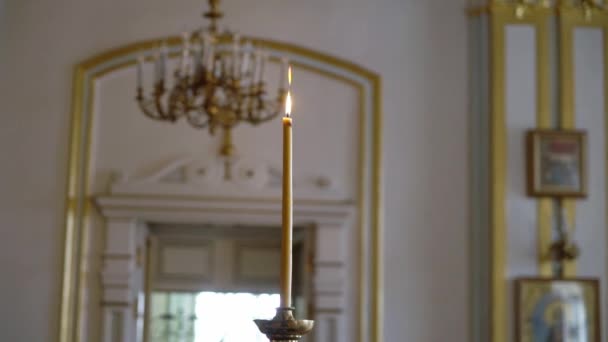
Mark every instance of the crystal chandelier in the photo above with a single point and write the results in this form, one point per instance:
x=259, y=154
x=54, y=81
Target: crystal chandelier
x=213, y=86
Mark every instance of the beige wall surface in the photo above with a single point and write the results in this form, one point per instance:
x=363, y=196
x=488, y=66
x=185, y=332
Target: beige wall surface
x=417, y=46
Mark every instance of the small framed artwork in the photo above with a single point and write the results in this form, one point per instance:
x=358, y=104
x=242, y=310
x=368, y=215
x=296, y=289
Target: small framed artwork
x=551, y=310
x=557, y=163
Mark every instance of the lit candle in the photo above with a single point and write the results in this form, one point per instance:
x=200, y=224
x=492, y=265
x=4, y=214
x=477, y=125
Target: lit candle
x=287, y=237
x=140, y=66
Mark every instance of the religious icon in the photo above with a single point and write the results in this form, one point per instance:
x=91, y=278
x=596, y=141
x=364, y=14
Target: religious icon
x=557, y=310
x=557, y=163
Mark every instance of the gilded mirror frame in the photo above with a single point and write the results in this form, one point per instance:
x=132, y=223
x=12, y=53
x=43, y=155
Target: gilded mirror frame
x=79, y=198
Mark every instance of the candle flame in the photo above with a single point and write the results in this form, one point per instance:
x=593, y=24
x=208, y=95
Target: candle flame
x=288, y=104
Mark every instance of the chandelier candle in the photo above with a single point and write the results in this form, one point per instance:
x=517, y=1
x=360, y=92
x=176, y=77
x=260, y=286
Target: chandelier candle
x=286, y=248
x=140, y=65
x=236, y=42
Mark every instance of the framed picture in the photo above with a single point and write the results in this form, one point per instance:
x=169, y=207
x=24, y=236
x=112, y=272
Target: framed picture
x=557, y=163
x=552, y=310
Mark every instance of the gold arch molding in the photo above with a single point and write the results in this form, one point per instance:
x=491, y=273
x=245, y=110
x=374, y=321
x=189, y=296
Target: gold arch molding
x=78, y=199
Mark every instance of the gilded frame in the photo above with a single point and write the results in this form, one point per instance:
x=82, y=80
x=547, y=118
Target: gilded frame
x=521, y=308
x=534, y=155
x=79, y=201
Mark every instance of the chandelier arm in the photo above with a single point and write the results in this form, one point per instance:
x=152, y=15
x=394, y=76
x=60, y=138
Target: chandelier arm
x=177, y=103
x=192, y=119
x=265, y=119
x=262, y=111
x=159, y=106
x=148, y=108
x=263, y=115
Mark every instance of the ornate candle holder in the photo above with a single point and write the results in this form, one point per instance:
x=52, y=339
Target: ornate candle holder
x=284, y=327
x=563, y=249
x=560, y=252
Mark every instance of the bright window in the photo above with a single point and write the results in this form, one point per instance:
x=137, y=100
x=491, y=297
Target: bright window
x=228, y=317
x=210, y=316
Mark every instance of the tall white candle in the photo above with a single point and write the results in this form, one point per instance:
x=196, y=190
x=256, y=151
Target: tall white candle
x=196, y=57
x=163, y=60
x=185, y=53
x=246, y=59
x=205, y=51
x=256, y=65
x=157, y=69
x=287, y=231
x=236, y=41
x=264, y=57
x=210, y=55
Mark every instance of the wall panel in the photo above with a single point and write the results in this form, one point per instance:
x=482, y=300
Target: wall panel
x=590, y=229
x=546, y=71
x=521, y=107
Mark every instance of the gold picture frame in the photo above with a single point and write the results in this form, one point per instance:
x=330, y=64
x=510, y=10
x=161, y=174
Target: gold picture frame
x=557, y=163
x=550, y=309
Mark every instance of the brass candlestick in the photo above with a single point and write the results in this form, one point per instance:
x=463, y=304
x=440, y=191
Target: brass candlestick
x=563, y=249
x=560, y=252
x=284, y=327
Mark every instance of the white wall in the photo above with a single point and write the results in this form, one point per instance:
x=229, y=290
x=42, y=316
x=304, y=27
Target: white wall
x=520, y=99
x=590, y=225
x=419, y=48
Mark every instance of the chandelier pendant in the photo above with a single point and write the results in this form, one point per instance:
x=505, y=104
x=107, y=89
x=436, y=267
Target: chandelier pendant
x=213, y=86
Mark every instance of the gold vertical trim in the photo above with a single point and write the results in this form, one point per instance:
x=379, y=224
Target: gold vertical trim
x=543, y=120
x=87, y=205
x=567, y=115
x=147, y=289
x=69, y=275
x=502, y=15
x=362, y=323
x=605, y=31
x=498, y=152
x=377, y=207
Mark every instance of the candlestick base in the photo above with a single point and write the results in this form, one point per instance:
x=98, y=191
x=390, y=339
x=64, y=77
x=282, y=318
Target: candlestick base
x=284, y=327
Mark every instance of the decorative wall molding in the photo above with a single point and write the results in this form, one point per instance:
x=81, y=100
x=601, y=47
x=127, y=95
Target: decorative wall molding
x=333, y=222
x=189, y=176
x=550, y=26
x=522, y=9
